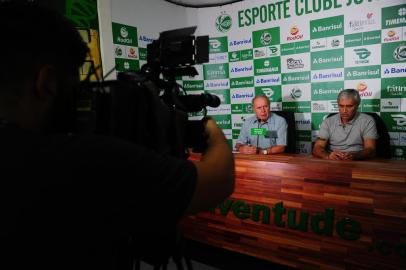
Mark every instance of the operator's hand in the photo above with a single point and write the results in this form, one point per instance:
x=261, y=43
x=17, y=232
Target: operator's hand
x=248, y=149
x=212, y=130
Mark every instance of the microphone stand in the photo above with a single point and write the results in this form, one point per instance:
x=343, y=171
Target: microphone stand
x=257, y=150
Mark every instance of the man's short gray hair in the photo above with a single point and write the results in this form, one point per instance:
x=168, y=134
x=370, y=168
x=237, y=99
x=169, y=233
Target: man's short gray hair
x=260, y=96
x=349, y=93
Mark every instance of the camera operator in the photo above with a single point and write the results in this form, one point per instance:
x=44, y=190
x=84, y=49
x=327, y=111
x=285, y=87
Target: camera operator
x=67, y=200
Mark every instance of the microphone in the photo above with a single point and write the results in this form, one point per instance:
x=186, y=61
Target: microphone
x=195, y=103
x=259, y=121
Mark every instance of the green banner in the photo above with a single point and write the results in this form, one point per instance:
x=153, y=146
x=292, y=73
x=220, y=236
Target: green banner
x=242, y=82
x=327, y=27
x=263, y=66
x=124, y=34
x=327, y=59
x=266, y=37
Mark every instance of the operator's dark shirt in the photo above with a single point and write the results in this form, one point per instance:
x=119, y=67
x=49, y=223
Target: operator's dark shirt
x=70, y=202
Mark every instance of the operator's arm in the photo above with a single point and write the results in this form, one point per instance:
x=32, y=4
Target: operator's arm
x=215, y=172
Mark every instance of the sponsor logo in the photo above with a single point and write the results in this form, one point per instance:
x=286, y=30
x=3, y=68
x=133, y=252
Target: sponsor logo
x=118, y=51
x=259, y=53
x=132, y=53
x=223, y=23
x=193, y=86
x=389, y=105
x=124, y=32
x=268, y=92
x=332, y=59
x=357, y=25
x=327, y=28
x=362, y=90
x=267, y=80
x=303, y=122
x=394, y=70
x=214, y=43
x=242, y=96
x=126, y=65
x=319, y=107
x=331, y=75
x=241, y=69
x=400, y=119
x=146, y=39
x=240, y=42
x=319, y=44
x=400, y=53
x=267, y=68
x=294, y=64
x=216, y=85
x=296, y=78
x=391, y=36
x=295, y=93
x=396, y=89
x=266, y=38
x=220, y=72
x=335, y=43
x=401, y=12
x=362, y=54
x=124, y=36
x=273, y=50
x=360, y=73
x=294, y=34
x=217, y=57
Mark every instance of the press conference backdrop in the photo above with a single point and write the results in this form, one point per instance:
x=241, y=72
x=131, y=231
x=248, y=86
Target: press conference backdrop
x=300, y=54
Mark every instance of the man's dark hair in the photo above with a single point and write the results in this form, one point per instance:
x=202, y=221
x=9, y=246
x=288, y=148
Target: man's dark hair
x=33, y=36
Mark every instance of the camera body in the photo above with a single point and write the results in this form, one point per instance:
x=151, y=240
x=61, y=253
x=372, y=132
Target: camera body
x=148, y=107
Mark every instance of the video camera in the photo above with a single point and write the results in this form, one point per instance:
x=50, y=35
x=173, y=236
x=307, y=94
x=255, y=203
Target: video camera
x=148, y=107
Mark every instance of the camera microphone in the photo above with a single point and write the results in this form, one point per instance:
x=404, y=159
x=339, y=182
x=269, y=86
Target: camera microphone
x=195, y=103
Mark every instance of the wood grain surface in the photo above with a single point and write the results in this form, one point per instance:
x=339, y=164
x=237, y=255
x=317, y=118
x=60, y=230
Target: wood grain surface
x=309, y=213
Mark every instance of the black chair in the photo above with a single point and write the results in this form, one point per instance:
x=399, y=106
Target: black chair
x=291, y=136
x=383, y=142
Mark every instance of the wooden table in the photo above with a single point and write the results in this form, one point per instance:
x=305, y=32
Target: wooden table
x=309, y=213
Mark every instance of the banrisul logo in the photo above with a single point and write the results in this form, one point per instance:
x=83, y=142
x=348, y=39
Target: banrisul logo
x=215, y=71
x=296, y=77
x=394, y=16
x=327, y=59
x=368, y=72
x=363, y=55
x=218, y=45
x=326, y=90
x=327, y=27
x=242, y=82
x=266, y=37
x=193, y=85
x=240, y=42
x=223, y=23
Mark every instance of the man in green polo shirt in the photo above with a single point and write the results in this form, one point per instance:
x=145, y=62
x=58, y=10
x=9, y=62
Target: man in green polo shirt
x=348, y=135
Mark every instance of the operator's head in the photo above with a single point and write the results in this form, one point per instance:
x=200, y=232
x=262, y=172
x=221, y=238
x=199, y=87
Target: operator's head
x=261, y=107
x=40, y=53
x=348, y=101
